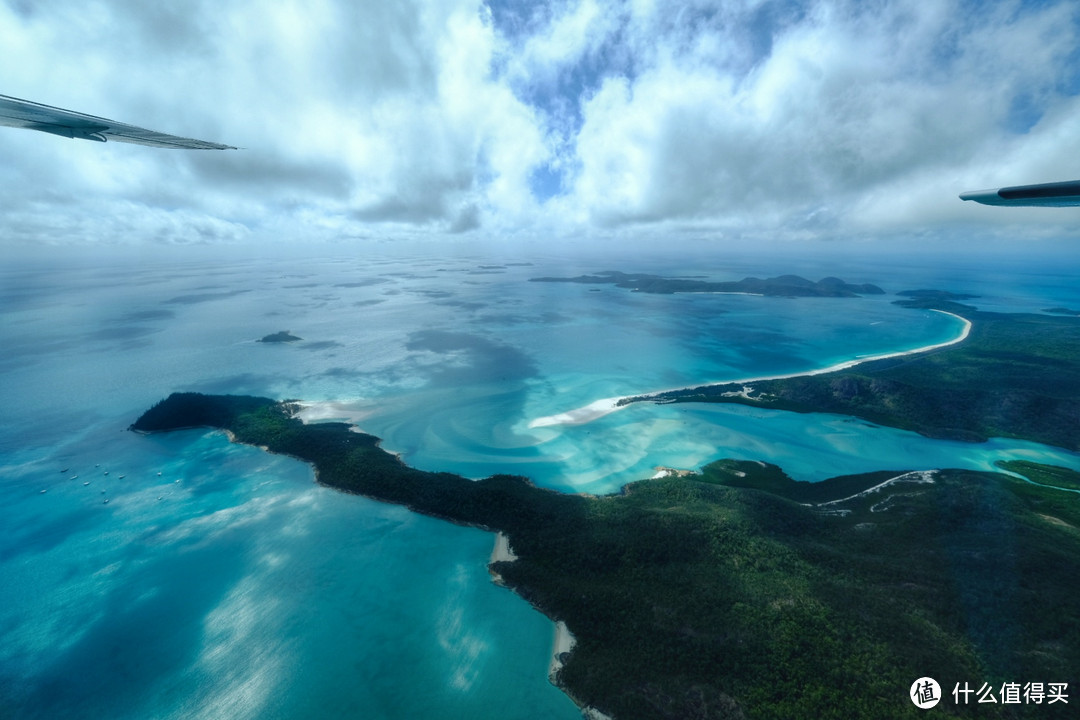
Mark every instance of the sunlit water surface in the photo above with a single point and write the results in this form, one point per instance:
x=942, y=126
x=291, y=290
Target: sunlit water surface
x=220, y=582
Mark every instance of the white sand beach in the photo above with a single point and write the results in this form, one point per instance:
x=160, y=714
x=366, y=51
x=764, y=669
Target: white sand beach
x=664, y=471
x=564, y=643
x=600, y=408
x=502, y=552
x=321, y=411
x=918, y=477
x=590, y=412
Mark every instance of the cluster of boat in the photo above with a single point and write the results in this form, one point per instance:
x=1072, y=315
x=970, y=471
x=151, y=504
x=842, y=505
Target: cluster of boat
x=87, y=482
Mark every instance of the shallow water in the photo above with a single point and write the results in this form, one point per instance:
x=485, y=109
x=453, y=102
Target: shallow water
x=232, y=586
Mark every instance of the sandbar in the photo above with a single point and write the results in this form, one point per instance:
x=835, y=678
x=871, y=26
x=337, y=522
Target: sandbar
x=582, y=415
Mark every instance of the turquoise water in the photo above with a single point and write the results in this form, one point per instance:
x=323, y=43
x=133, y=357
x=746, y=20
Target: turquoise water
x=231, y=585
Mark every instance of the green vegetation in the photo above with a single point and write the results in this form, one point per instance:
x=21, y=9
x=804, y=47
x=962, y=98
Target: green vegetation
x=784, y=285
x=279, y=337
x=768, y=477
x=1050, y=475
x=691, y=598
x=188, y=410
x=1017, y=376
x=935, y=295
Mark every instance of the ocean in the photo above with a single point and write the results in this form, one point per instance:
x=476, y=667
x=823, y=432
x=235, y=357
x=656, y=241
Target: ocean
x=181, y=576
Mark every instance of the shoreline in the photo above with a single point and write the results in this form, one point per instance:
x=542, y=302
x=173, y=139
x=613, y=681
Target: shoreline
x=918, y=477
x=599, y=408
x=563, y=640
x=501, y=552
x=563, y=643
x=313, y=411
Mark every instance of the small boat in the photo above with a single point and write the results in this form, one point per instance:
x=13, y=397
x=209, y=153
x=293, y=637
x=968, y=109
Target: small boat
x=64, y=470
x=106, y=501
x=119, y=477
x=159, y=474
x=73, y=477
x=106, y=472
x=86, y=483
x=44, y=491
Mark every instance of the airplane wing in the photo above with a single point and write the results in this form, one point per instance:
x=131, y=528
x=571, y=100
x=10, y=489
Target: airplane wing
x=66, y=123
x=1059, y=194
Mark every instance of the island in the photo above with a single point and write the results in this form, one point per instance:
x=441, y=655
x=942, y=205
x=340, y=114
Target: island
x=932, y=294
x=279, y=337
x=737, y=592
x=1016, y=375
x=782, y=286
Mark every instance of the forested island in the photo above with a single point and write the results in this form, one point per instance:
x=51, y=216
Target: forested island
x=783, y=286
x=1016, y=376
x=283, y=336
x=738, y=592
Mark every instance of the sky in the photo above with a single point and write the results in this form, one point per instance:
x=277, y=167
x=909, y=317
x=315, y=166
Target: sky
x=732, y=122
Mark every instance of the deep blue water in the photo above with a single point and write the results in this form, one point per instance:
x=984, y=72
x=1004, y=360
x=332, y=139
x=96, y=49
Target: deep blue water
x=231, y=585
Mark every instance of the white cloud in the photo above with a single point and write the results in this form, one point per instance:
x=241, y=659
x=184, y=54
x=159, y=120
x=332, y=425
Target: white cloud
x=846, y=104
x=793, y=119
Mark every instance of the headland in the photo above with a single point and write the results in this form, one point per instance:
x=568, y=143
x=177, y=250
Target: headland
x=1011, y=375
x=599, y=408
x=738, y=592
x=782, y=286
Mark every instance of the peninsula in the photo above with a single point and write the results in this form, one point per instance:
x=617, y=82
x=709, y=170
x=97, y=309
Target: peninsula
x=782, y=286
x=737, y=592
x=1015, y=375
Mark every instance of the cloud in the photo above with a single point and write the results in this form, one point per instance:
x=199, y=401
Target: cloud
x=355, y=113
x=571, y=117
x=846, y=103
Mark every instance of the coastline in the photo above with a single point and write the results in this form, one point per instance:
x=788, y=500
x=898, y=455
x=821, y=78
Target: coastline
x=917, y=477
x=590, y=412
x=332, y=411
x=562, y=646
x=501, y=552
x=516, y=506
x=563, y=641
x=599, y=408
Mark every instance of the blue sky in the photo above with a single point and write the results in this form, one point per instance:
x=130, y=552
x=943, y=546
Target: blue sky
x=515, y=122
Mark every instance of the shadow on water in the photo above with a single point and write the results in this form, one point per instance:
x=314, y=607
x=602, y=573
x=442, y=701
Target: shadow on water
x=44, y=536
x=485, y=360
x=148, y=630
